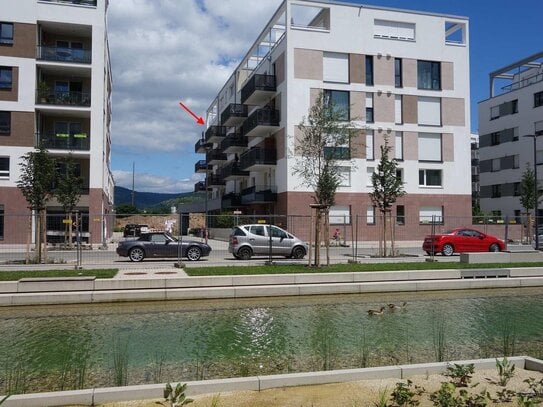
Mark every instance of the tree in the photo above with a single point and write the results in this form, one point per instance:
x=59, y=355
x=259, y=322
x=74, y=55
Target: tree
x=68, y=190
x=387, y=188
x=324, y=142
x=126, y=209
x=35, y=182
x=527, y=197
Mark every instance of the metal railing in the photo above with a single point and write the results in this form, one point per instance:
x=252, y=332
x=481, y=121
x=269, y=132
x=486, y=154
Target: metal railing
x=234, y=111
x=259, y=194
x=92, y=3
x=258, y=82
x=530, y=80
x=65, y=98
x=64, y=141
x=261, y=117
x=257, y=156
x=64, y=54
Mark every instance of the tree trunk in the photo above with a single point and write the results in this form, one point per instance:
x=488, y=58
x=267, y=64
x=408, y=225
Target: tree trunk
x=318, y=238
x=384, y=234
x=70, y=229
x=392, y=235
x=38, y=235
x=327, y=234
x=44, y=231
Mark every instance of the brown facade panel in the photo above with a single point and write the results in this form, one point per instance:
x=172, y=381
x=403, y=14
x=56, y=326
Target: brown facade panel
x=358, y=105
x=447, y=76
x=447, y=140
x=24, y=42
x=453, y=111
x=383, y=71
x=357, y=68
x=308, y=64
x=410, y=145
x=281, y=143
x=383, y=107
x=313, y=96
x=11, y=95
x=16, y=216
x=358, y=144
x=280, y=69
x=410, y=109
x=22, y=132
x=409, y=74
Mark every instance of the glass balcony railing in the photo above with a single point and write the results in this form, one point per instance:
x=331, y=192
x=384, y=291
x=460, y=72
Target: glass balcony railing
x=231, y=200
x=201, y=166
x=257, y=157
x=61, y=54
x=261, y=122
x=67, y=98
x=258, y=85
x=259, y=194
x=64, y=141
x=92, y=3
x=234, y=114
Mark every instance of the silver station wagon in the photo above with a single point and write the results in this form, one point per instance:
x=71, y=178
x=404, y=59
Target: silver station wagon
x=254, y=240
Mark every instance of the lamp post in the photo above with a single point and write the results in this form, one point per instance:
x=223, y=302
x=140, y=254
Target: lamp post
x=536, y=189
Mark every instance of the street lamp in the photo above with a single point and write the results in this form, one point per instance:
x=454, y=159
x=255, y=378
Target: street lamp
x=536, y=189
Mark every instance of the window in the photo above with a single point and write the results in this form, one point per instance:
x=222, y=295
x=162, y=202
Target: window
x=515, y=134
x=1, y=222
x=398, y=115
x=398, y=82
x=6, y=33
x=369, y=107
x=429, y=111
x=430, y=178
x=344, y=176
x=369, y=176
x=398, y=145
x=516, y=189
x=429, y=75
x=429, y=147
x=399, y=174
x=538, y=99
x=369, y=145
x=4, y=167
x=496, y=191
x=339, y=100
x=431, y=214
x=400, y=215
x=339, y=215
x=494, y=112
x=397, y=30
x=517, y=216
x=538, y=127
x=369, y=70
x=516, y=163
x=6, y=77
x=495, y=138
x=336, y=67
x=495, y=165
x=276, y=232
x=504, y=109
x=257, y=230
x=5, y=122
x=370, y=215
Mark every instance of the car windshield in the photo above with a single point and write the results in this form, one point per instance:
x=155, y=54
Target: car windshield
x=169, y=235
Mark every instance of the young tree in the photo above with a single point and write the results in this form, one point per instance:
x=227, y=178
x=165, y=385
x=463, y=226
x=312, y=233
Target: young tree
x=35, y=182
x=528, y=197
x=387, y=188
x=68, y=191
x=324, y=142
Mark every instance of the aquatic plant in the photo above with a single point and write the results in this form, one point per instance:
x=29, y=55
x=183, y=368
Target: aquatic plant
x=382, y=399
x=460, y=374
x=506, y=370
x=406, y=394
x=157, y=366
x=17, y=377
x=508, y=330
x=438, y=337
x=364, y=350
x=120, y=363
x=175, y=397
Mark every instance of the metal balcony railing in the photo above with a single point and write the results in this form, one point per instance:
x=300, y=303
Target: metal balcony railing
x=261, y=117
x=258, y=82
x=231, y=200
x=215, y=133
x=62, y=54
x=215, y=155
x=215, y=180
x=201, y=166
x=63, y=98
x=201, y=146
x=232, y=170
x=74, y=2
x=233, y=143
x=259, y=194
x=233, y=114
x=64, y=141
x=257, y=156
x=200, y=186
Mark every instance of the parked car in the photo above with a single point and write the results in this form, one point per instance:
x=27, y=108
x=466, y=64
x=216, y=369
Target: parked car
x=254, y=240
x=134, y=230
x=161, y=244
x=461, y=240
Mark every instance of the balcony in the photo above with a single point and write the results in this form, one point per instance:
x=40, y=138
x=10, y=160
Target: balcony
x=234, y=114
x=259, y=194
x=200, y=186
x=215, y=157
x=258, y=158
x=73, y=2
x=61, y=54
x=64, y=98
x=62, y=141
x=215, y=134
x=262, y=122
x=201, y=147
x=234, y=143
x=337, y=153
x=231, y=200
x=201, y=166
x=231, y=171
x=215, y=180
x=258, y=89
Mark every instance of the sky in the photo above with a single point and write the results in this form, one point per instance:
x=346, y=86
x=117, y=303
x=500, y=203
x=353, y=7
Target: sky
x=168, y=51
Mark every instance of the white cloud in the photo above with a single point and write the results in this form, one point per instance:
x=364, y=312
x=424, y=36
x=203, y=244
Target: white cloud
x=154, y=183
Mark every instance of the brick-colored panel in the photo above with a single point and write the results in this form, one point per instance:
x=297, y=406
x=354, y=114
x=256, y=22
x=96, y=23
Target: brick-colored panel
x=308, y=64
x=357, y=68
x=298, y=137
x=383, y=107
x=447, y=76
x=22, y=130
x=447, y=140
x=358, y=105
x=280, y=69
x=453, y=111
x=11, y=95
x=410, y=109
x=281, y=143
x=410, y=146
x=358, y=144
x=384, y=71
x=379, y=141
x=409, y=74
x=24, y=42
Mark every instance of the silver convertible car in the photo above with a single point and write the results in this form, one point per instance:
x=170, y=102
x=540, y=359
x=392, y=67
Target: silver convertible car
x=161, y=244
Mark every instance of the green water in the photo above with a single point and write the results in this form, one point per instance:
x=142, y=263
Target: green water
x=65, y=347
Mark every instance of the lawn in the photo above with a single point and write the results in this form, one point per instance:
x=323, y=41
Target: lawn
x=18, y=274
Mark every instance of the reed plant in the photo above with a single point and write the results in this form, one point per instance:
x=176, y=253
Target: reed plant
x=508, y=335
x=438, y=337
x=157, y=366
x=364, y=350
x=17, y=377
x=120, y=359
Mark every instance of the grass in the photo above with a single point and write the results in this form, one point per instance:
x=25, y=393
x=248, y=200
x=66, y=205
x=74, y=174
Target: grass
x=17, y=275
x=346, y=268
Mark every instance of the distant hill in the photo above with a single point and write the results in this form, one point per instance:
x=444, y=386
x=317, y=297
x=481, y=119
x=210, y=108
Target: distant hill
x=146, y=200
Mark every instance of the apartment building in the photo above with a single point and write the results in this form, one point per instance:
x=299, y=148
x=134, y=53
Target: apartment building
x=508, y=122
x=394, y=73
x=55, y=87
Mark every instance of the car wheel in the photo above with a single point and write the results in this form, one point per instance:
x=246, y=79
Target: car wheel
x=245, y=253
x=447, y=250
x=194, y=253
x=298, y=252
x=494, y=247
x=136, y=254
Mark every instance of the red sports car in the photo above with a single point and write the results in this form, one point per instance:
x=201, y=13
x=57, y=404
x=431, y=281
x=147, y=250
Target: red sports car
x=461, y=240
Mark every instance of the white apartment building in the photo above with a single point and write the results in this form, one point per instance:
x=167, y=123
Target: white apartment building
x=508, y=122
x=395, y=73
x=55, y=87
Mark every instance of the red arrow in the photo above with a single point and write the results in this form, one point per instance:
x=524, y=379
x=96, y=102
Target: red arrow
x=199, y=120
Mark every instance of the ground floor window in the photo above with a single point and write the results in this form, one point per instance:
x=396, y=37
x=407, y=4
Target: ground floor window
x=1, y=222
x=339, y=215
x=370, y=215
x=4, y=167
x=431, y=214
x=400, y=215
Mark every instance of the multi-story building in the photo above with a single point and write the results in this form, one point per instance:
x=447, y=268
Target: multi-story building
x=508, y=122
x=394, y=73
x=475, y=187
x=55, y=87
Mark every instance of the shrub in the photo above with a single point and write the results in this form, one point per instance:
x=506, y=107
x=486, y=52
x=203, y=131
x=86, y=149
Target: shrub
x=460, y=374
x=506, y=370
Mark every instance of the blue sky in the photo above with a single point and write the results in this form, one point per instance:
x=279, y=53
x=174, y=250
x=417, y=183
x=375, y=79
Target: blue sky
x=184, y=50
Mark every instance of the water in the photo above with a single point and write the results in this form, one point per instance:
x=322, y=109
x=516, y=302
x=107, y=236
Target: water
x=65, y=347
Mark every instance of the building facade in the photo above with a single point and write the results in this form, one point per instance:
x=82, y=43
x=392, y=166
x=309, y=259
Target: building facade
x=394, y=73
x=509, y=120
x=55, y=91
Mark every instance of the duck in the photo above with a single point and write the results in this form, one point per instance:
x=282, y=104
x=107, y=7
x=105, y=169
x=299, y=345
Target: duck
x=376, y=311
x=395, y=306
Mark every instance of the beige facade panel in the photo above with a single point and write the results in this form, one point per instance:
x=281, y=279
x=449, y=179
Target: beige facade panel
x=11, y=95
x=447, y=140
x=383, y=107
x=383, y=71
x=308, y=64
x=358, y=144
x=358, y=105
x=280, y=69
x=22, y=130
x=453, y=111
x=410, y=145
x=313, y=96
x=409, y=74
x=357, y=68
x=447, y=76
x=298, y=139
x=410, y=109
x=24, y=42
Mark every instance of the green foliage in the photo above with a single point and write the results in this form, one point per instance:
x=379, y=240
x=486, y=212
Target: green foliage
x=175, y=397
x=37, y=175
x=445, y=396
x=120, y=363
x=536, y=387
x=506, y=370
x=68, y=185
x=504, y=396
x=527, y=185
x=126, y=209
x=382, y=400
x=438, y=336
x=461, y=375
x=17, y=275
x=473, y=400
x=525, y=400
x=406, y=394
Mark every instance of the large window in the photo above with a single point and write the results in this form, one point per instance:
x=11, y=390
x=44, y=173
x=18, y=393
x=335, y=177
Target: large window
x=340, y=101
x=397, y=30
x=504, y=109
x=398, y=81
x=369, y=70
x=429, y=111
x=336, y=67
x=398, y=110
x=6, y=33
x=400, y=215
x=344, y=176
x=398, y=145
x=369, y=108
x=431, y=214
x=370, y=215
x=369, y=176
x=429, y=147
x=429, y=75
x=496, y=191
x=6, y=77
x=369, y=145
x=339, y=215
x=538, y=99
x=430, y=178
x=4, y=167
x=5, y=123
